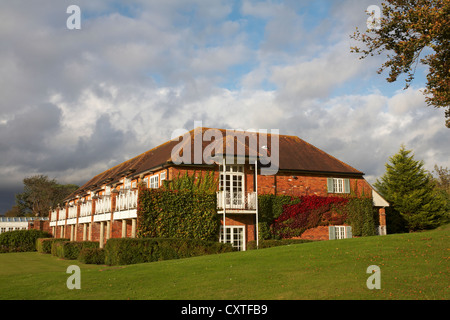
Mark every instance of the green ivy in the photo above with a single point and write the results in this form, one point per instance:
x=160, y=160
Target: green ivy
x=185, y=214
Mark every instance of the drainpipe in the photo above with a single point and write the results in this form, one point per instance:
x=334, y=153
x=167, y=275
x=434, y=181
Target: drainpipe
x=223, y=199
x=256, y=202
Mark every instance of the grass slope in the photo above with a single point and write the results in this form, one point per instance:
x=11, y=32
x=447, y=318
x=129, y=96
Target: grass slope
x=413, y=266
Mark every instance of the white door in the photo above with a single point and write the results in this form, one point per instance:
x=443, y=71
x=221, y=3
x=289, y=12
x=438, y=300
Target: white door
x=232, y=182
x=234, y=235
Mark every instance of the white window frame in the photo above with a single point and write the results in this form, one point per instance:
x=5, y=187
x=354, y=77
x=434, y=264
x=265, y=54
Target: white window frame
x=235, y=177
x=338, y=185
x=162, y=176
x=154, y=182
x=340, y=232
x=127, y=183
x=235, y=231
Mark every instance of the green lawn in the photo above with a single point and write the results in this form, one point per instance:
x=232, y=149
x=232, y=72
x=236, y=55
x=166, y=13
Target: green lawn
x=413, y=266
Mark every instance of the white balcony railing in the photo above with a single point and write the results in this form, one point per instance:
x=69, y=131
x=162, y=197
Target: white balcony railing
x=86, y=209
x=73, y=212
x=236, y=200
x=126, y=200
x=53, y=215
x=103, y=205
x=62, y=214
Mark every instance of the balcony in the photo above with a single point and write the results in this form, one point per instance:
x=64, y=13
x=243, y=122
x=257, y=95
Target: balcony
x=237, y=202
x=103, y=205
x=72, y=216
x=86, y=209
x=53, y=215
x=85, y=212
x=126, y=205
x=126, y=200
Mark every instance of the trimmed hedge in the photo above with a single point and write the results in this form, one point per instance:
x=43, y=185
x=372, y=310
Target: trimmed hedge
x=275, y=243
x=44, y=245
x=123, y=251
x=92, y=256
x=21, y=240
x=70, y=250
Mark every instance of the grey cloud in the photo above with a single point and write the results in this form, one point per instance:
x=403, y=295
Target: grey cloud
x=29, y=131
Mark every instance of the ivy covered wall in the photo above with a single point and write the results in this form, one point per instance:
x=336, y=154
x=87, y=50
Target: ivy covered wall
x=185, y=214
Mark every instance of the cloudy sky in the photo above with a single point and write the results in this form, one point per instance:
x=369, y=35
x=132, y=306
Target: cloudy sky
x=76, y=102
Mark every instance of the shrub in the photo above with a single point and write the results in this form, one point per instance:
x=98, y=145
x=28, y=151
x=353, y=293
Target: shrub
x=274, y=243
x=92, y=256
x=71, y=249
x=21, y=240
x=131, y=250
x=44, y=245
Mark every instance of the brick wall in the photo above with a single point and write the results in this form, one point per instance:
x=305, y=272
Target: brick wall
x=287, y=183
x=318, y=233
x=43, y=225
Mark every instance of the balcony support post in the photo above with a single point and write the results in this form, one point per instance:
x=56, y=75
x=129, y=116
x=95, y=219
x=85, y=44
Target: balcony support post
x=84, y=231
x=124, y=228
x=133, y=228
x=102, y=233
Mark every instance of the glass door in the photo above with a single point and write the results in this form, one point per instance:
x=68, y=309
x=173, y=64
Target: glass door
x=232, y=183
x=234, y=235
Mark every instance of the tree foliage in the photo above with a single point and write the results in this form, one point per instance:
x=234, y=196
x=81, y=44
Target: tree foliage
x=407, y=29
x=40, y=194
x=412, y=192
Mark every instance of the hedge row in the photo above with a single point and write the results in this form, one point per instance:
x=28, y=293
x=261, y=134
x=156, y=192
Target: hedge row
x=44, y=245
x=70, y=250
x=138, y=250
x=123, y=251
x=84, y=251
x=274, y=243
x=20, y=240
x=92, y=256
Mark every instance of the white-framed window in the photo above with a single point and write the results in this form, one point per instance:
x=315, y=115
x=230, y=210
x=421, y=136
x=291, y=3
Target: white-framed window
x=233, y=183
x=234, y=235
x=163, y=176
x=338, y=185
x=232, y=168
x=339, y=232
x=154, y=181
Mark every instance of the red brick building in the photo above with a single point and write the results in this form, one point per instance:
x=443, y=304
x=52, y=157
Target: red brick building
x=246, y=164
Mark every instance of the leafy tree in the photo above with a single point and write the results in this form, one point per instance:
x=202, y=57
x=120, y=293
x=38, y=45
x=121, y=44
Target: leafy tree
x=40, y=194
x=14, y=212
x=442, y=181
x=412, y=192
x=407, y=29
x=443, y=178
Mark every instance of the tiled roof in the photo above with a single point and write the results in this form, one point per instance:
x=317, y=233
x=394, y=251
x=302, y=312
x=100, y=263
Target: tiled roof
x=295, y=154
